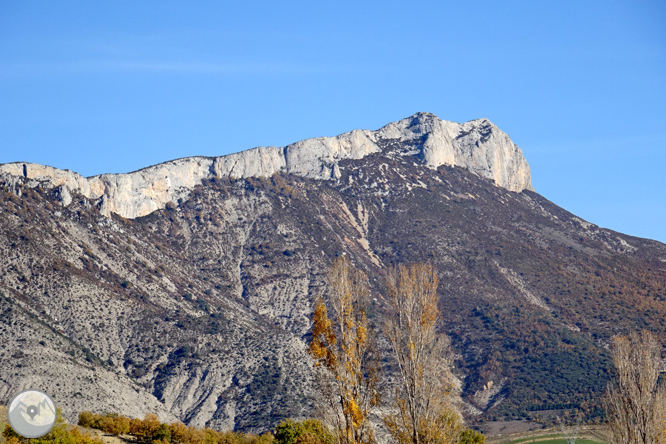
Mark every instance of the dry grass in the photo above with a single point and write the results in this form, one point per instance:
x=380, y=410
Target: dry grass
x=3, y=422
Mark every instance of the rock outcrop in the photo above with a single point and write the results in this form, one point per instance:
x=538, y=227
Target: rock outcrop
x=477, y=145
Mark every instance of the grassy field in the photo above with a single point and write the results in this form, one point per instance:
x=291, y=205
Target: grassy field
x=533, y=438
x=553, y=440
x=588, y=435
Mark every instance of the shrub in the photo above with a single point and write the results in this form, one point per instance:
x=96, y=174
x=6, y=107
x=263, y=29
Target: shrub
x=163, y=433
x=147, y=428
x=115, y=426
x=135, y=426
x=179, y=432
x=59, y=434
x=111, y=423
x=310, y=431
x=150, y=431
x=88, y=419
x=470, y=436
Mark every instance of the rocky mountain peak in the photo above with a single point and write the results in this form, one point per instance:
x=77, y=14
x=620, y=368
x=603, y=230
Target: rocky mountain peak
x=477, y=145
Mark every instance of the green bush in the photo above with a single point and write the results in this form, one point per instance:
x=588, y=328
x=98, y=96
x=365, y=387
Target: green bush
x=163, y=433
x=89, y=419
x=309, y=431
x=470, y=436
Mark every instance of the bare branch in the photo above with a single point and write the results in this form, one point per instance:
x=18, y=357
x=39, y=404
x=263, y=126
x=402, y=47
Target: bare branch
x=635, y=402
x=423, y=357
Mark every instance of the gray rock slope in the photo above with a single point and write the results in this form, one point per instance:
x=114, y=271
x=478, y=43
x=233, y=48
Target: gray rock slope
x=477, y=145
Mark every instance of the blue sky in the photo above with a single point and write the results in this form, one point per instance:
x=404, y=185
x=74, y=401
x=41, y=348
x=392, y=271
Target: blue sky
x=116, y=86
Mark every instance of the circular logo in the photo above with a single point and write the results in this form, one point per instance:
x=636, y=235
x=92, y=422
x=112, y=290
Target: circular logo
x=32, y=413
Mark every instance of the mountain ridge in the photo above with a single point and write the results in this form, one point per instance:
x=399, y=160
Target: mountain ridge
x=201, y=311
x=477, y=145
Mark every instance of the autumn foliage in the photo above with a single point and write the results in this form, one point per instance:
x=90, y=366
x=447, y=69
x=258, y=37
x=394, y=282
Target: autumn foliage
x=421, y=408
x=61, y=434
x=151, y=431
x=342, y=348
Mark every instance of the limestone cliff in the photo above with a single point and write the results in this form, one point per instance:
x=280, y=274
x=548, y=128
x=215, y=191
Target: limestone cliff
x=477, y=145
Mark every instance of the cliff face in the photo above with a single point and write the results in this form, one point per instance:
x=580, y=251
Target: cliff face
x=477, y=145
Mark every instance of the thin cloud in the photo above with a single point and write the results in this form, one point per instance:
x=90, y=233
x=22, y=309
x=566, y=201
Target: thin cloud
x=159, y=67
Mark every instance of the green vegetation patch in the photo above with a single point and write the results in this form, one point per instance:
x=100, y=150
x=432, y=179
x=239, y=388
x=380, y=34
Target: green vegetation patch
x=553, y=441
x=534, y=438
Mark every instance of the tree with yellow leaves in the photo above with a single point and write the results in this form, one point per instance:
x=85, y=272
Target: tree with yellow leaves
x=423, y=408
x=343, y=351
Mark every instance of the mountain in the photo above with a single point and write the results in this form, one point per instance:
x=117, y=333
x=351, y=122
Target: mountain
x=477, y=145
x=186, y=288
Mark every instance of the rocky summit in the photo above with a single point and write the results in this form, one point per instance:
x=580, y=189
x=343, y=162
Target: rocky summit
x=478, y=146
x=186, y=288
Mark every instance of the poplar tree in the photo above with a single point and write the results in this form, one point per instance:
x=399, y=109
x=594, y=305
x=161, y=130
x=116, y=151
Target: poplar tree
x=635, y=402
x=423, y=407
x=343, y=349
